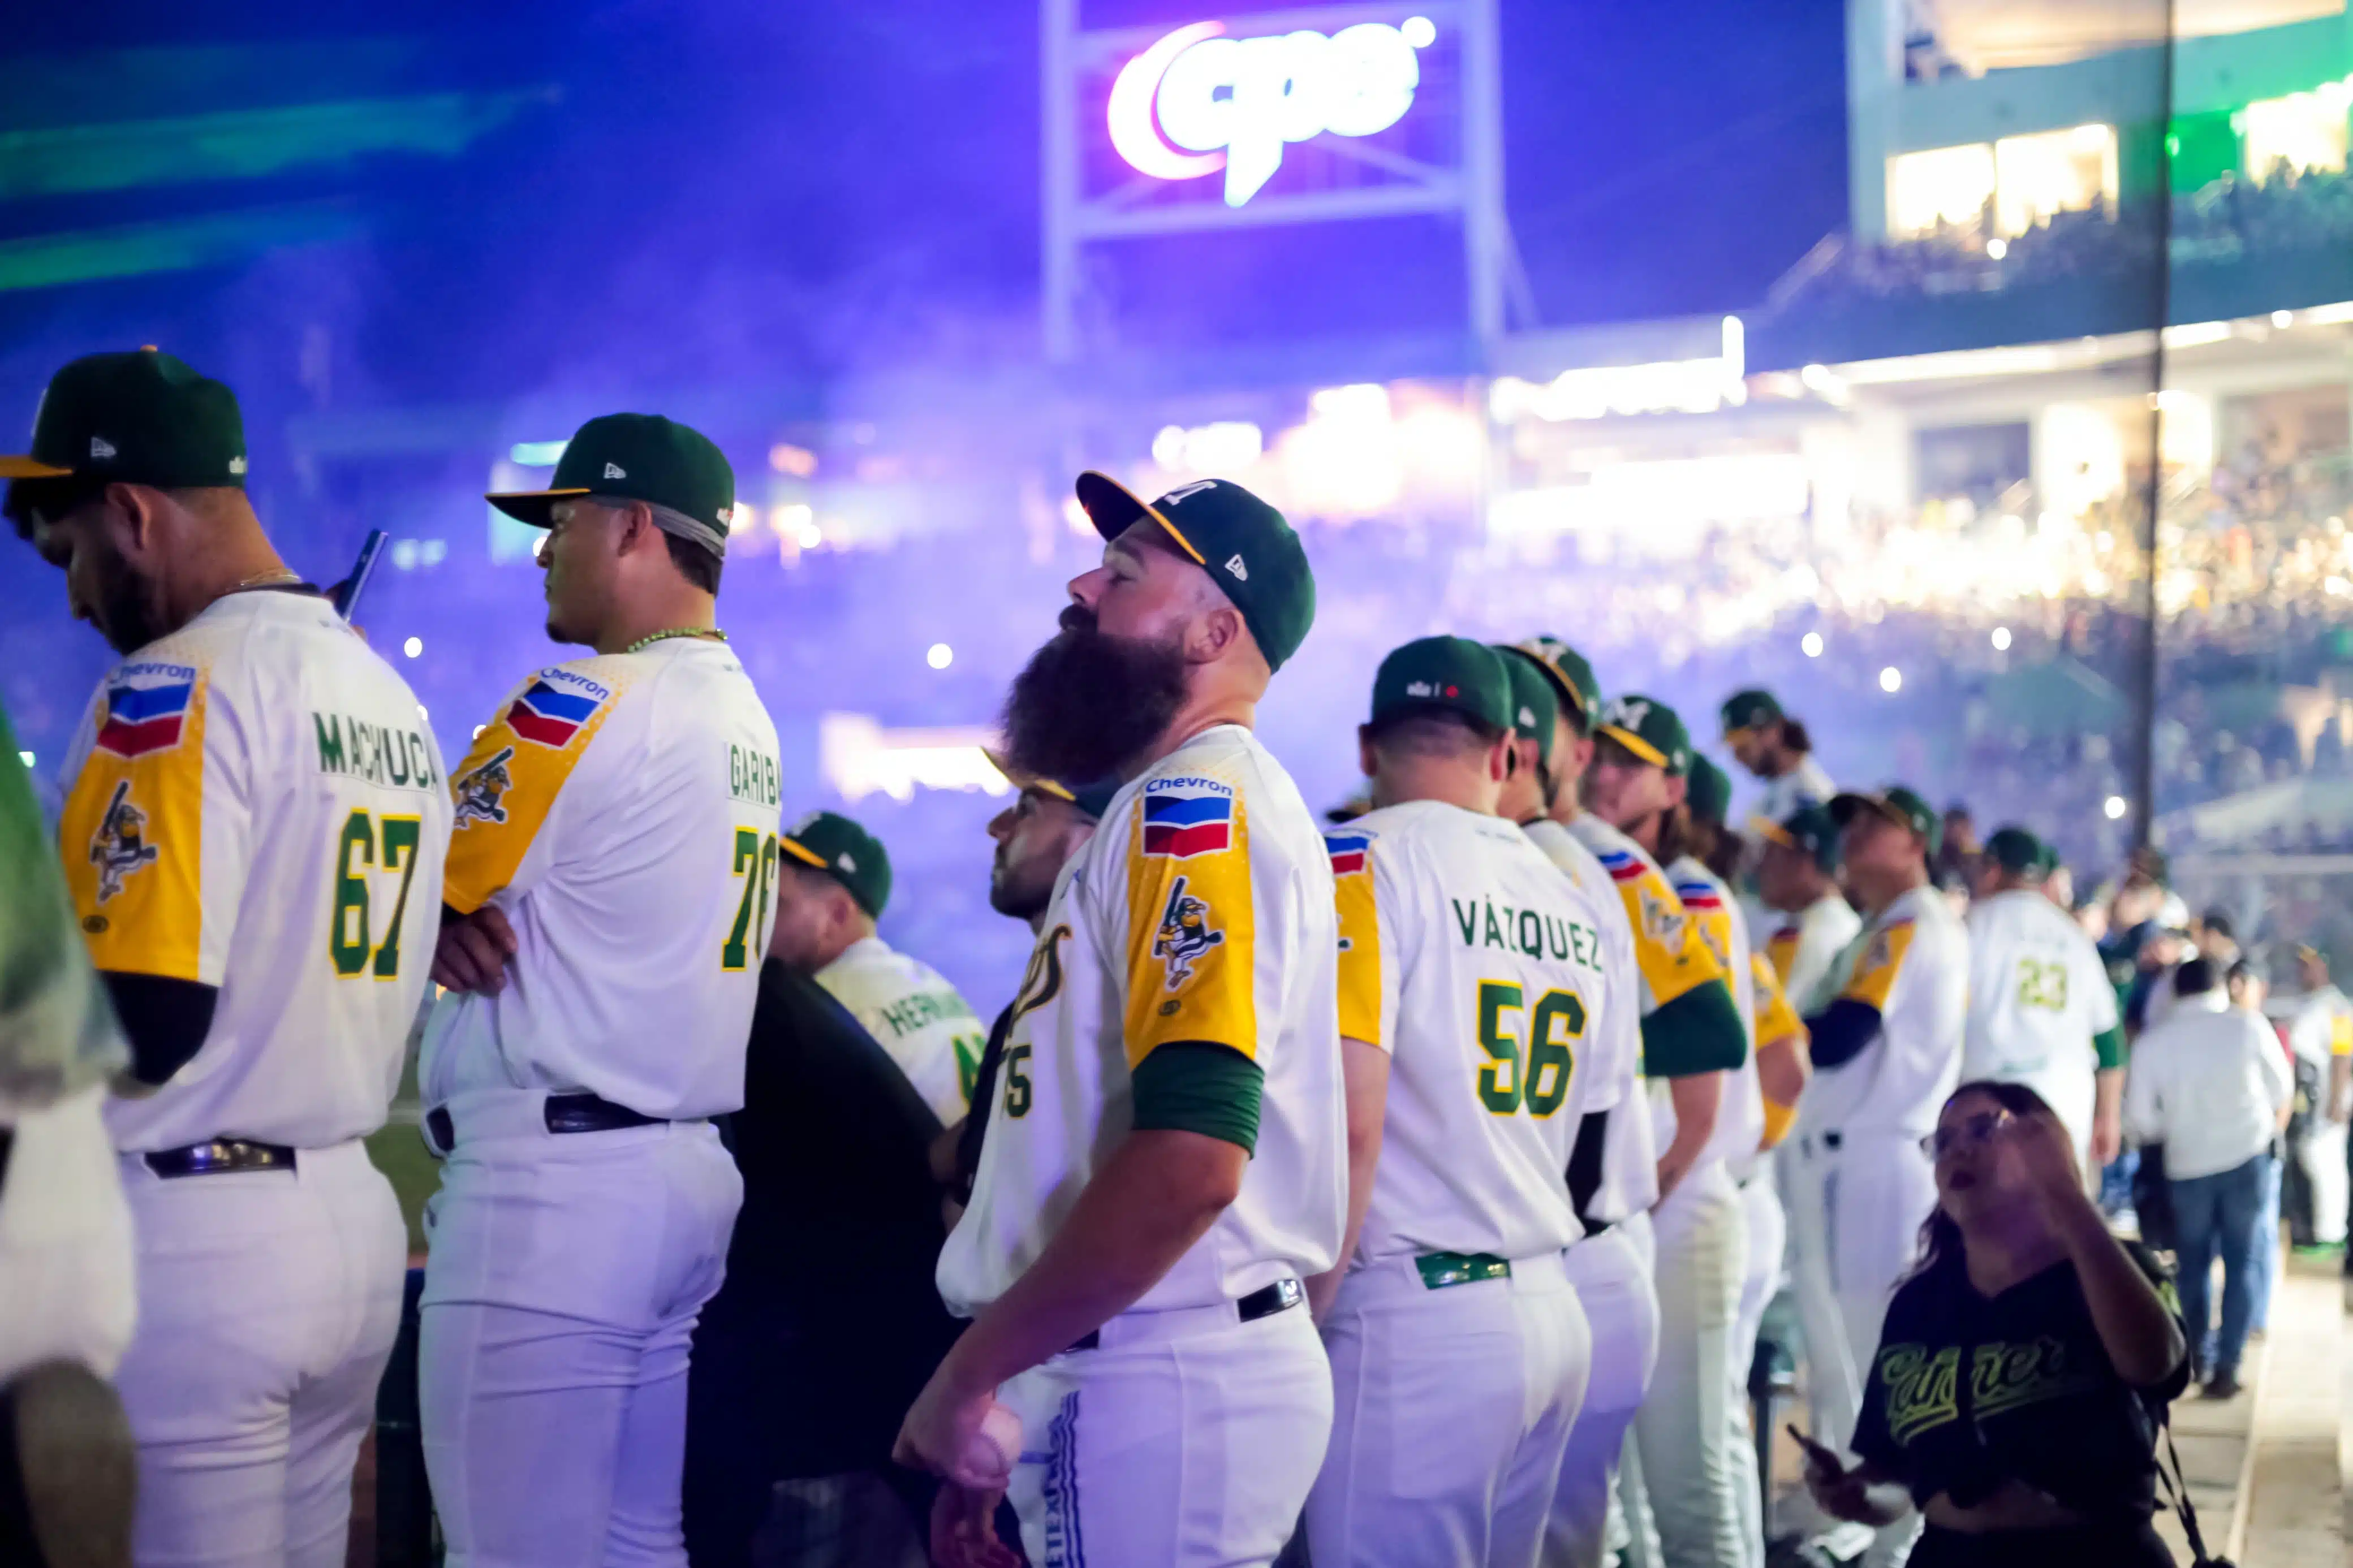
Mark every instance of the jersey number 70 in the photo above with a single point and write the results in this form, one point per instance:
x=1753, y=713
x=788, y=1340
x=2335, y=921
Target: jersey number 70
x=755, y=862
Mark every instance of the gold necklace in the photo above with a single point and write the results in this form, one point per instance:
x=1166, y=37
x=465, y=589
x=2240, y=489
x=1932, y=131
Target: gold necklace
x=268, y=579
x=652, y=638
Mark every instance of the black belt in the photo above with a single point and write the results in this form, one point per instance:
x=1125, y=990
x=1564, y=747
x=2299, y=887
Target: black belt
x=218, y=1157
x=1830, y=1141
x=1279, y=1297
x=582, y=1113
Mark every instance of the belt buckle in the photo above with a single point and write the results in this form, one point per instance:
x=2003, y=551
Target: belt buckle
x=1441, y=1269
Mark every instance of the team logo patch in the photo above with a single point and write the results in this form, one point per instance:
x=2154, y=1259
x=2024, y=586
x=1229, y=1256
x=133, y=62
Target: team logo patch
x=1348, y=851
x=547, y=717
x=144, y=715
x=1182, y=826
x=119, y=848
x=1661, y=922
x=481, y=790
x=1186, y=935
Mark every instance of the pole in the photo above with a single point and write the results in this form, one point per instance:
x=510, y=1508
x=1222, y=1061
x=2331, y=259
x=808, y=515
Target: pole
x=2144, y=816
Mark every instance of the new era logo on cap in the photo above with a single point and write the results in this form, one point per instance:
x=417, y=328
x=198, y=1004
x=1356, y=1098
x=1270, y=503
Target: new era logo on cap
x=236, y=464
x=100, y=447
x=845, y=862
x=1234, y=565
x=615, y=471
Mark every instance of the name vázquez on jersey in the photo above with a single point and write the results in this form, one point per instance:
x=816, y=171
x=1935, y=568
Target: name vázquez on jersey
x=1483, y=922
x=753, y=776
x=372, y=754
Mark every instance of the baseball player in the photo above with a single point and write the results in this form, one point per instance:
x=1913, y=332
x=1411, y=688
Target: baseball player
x=253, y=840
x=610, y=883
x=1697, y=1465
x=1776, y=750
x=67, y=1468
x=836, y=879
x=1798, y=879
x=1887, y=1050
x=1703, y=877
x=1613, y=1167
x=1167, y=1159
x=1478, y=1018
x=2042, y=1012
x=2320, y=1033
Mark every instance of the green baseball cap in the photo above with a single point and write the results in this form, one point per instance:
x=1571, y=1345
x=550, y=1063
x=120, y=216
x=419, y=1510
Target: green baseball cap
x=1535, y=702
x=1709, y=791
x=2015, y=849
x=142, y=418
x=1572, y=678
x=1811, y=830
x=1898, y=804
x=1244, y=544
x=1651, y=730
x=1444, y=672
x=1750, y=710
x=639, y=457
x=832, y=843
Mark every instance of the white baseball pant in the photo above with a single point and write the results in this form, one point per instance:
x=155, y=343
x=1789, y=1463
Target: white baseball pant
x=2322, y=1156
x=67, y=1281
x=1693, y=1472
x=1451, y=1411
x=268, y=1301
x=1187, y=1438
x=1767, y=1232
x=561, y=1292
x=1611, y=1276
x=1856, y=1203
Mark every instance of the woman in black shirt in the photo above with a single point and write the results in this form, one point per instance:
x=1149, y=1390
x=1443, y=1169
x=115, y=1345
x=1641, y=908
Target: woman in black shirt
x=2015, y=1391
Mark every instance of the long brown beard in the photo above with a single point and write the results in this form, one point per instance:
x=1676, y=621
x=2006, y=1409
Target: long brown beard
x=1089, y=703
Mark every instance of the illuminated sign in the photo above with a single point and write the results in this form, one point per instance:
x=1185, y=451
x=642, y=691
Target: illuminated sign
x=1199, y=102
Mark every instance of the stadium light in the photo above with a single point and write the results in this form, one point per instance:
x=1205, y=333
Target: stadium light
x=1997, y=248
x=1891, y=679
x=2002, y=639
x=412, y=647
x=939, y=656
x=2115, y=808
x=2283, y=319
x=1812, y=645
x=25, y=758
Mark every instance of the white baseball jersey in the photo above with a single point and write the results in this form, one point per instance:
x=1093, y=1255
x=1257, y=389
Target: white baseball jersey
x=1505, y=1002
x=1740, y=1117
x=1910, y=967
x=1668, y=952
x=2039, y=995
x=1802, y=947
x=1629, y=1160
x=1200, y=912
x=257, y=807
x=1809, y=782
x=622, y=812
x=2321, y=1027
x=915, y=1015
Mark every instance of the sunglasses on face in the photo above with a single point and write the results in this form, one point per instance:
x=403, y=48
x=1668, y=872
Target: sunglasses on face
x=1968, y=1131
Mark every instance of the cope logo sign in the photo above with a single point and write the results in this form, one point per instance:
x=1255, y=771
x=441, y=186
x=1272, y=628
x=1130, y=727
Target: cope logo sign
x=1199, y=102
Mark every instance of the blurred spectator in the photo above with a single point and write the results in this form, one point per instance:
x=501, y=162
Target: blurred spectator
x=2320, y=1033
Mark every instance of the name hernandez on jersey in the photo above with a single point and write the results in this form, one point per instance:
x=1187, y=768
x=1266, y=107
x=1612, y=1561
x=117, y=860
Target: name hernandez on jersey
x=1196, y=926
x=1484, y=974
x=622, y=810
x=256, y=806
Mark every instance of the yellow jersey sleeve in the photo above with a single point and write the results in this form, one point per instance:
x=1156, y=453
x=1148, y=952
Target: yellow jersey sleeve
x=2340, y=1034
x=156, y=831
x=1875, y=973
x=1191, y=959
x=1776, y=1019
x=1367, y=992
x=1781, y=950
x=507, y=786
x=1667, y=950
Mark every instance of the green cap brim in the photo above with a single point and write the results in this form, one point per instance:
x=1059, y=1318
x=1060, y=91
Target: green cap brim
x=1113, y=509
x=531, y=506
x=21, y=466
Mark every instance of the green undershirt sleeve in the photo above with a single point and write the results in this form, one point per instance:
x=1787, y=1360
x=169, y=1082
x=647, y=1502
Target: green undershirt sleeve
x=1193, y=1086
x=1697, y=1032
x=2109, y=1044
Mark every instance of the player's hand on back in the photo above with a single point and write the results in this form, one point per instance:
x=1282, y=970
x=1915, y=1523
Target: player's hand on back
x=472, y=951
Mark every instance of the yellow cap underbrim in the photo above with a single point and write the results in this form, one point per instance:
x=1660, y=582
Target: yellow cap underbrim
x=516, y=503
x=1636, y=744
x=1019, y=780
x=1731, y=735
x=1772, y=832
x=1112, y=514
x=24, y=467
x=801, y=852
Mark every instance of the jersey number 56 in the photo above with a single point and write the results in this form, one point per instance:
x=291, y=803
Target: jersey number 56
x=1537, y=1077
